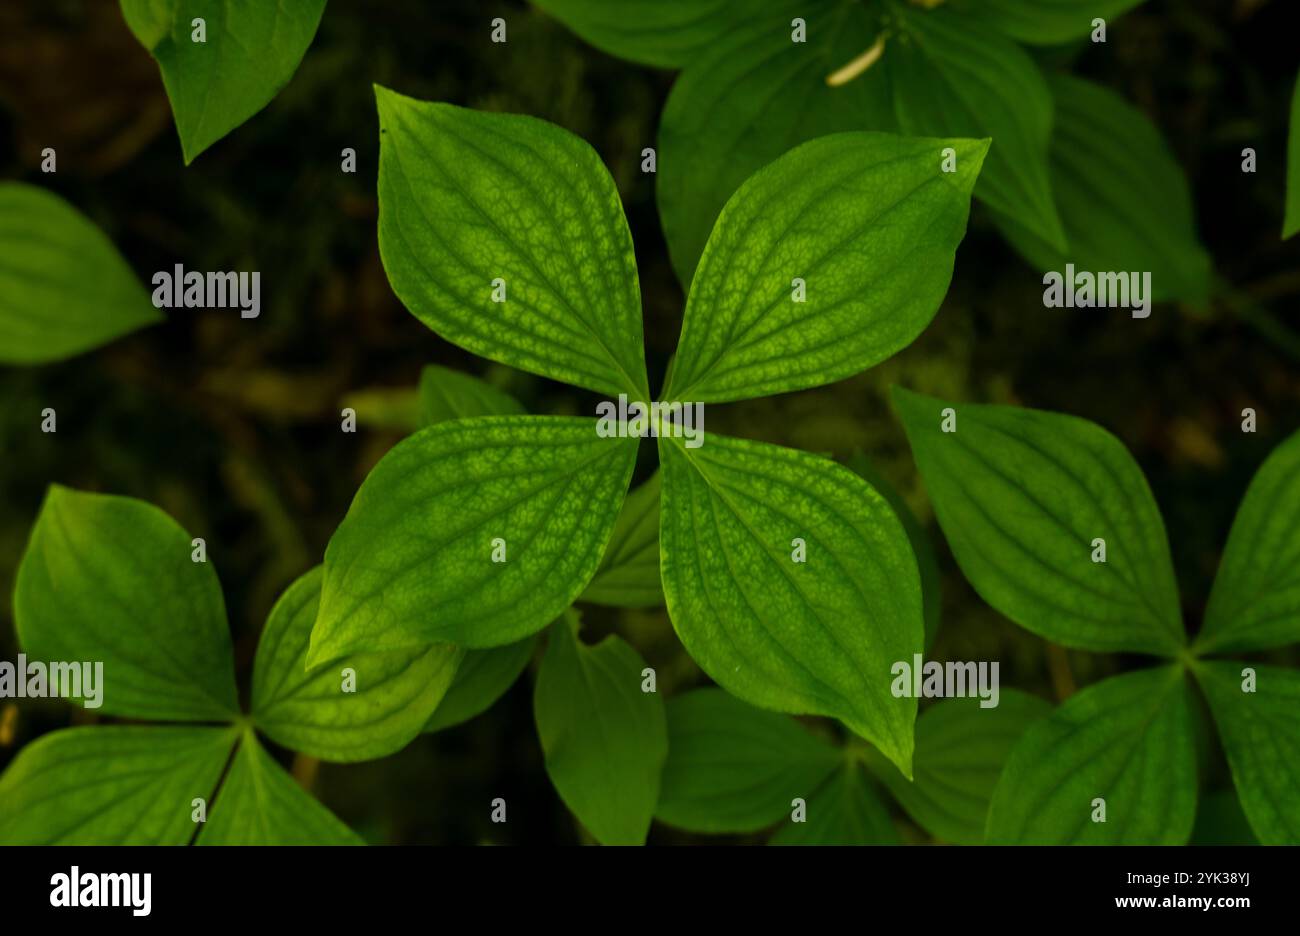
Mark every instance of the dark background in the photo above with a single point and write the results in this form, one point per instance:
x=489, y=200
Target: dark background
x=233, y=426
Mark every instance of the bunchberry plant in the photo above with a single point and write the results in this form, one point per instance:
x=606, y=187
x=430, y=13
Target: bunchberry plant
x=761, y=76
x=117, y=581
x=736, y=769
x=64, y=288
x=1053, y=523
x=222, y=61
x=788, y=578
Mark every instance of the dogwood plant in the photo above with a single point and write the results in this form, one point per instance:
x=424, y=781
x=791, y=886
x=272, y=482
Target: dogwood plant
x=506, y=235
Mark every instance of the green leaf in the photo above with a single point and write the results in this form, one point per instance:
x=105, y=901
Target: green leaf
x=391, y=697
x=868, y=221
x=605, y=740
x=251, y=51
x=753, y=96
x=960, y=751
x=845, y=811
x=662, y=33
x=260, y=804
x=926, y=562
x=413, y=561
x=111, y=785
x=1125, y=208
x=1220, y=820
x=1044, y=22
x=628, y=576
x=953, y=75
x=1022, y=495
x=482, y=677
x=110, y=580
x=735, y=768
x=64, y=288
x=468, y=198
x=1291, y=223
x=1255, y=602
x=815, y=637
x=1128, y=740
x=1261, y=736
x=447, y=394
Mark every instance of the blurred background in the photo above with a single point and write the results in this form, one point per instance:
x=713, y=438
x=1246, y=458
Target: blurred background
x=233, y=427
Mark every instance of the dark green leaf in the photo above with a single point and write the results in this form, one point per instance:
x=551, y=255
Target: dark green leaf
x=448, y=394
x=111, y=580
x=1128, y=740
x=750, y=98
x=845, y=811
x=1022, y=495
x=1255, y=602
x=64, y=288
x=260, y=804
x=1261, y=736
x=1044, y=22
x=605, y=740
x=1125, y=208
x=960, y=751
x=735, y=768
x=482, y=677
x=628, y=576
x=252, y=49
x=955, y=76
x=1291, y=223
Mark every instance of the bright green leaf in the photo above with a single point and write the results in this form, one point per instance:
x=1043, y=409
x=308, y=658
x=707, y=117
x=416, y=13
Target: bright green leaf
x=1255, y=602
x=111, y=785
x=111, y=580
x=1023, y=496
x=260, y=804
x=753, y=96
x=953, y=75
x=1261, y=736
x=474, y=206
x=816, y=637
x=64, y=288
x=251, y=50
x=1125, y=208
x=628, y=576
x=1044, y=22
x=605, y=740
x=845, y=811
x=663, y=33
x=1127, y=740
x=476, y=532
x=960, y=751
x=391, y=695
x=736, y=768
x=449, y=394
x=868, y=221
x=926, y=562
x=1291, y=223
x=482, y=677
